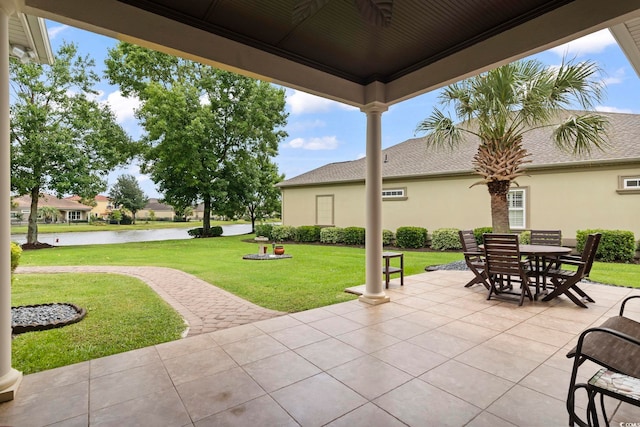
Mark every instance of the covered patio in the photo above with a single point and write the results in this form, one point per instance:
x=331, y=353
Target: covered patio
x=436, y=351
x=437, y=354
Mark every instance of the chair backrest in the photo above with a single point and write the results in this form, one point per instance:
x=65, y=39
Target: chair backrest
x=502, y=254
x=546, y=237
x=468, y=241
x=589, y=252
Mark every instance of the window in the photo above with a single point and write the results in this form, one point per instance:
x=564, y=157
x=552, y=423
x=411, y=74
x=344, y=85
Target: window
x=324, y=210
x=631, y=183
x=75, y=215
x=516, y=199
x=394, y=194
x=628, y=185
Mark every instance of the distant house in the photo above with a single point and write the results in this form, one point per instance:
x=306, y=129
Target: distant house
x=431, y=188
x=70, y=210
x=103, y=206
x=161, y=211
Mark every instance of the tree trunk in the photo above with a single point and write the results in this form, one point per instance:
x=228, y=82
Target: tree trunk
x=32, y=229
x=133, y=217
x=498, y=191
x=206, y=217
x=252, y=214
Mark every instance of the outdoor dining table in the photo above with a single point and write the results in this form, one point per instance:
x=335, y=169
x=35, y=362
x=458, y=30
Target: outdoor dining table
x=540, y=254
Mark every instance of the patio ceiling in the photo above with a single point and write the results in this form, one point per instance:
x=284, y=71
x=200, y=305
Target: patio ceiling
x=332, y=48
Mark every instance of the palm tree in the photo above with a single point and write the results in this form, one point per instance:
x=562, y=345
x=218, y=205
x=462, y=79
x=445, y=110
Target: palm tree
x=501, y=105
x=49, y=213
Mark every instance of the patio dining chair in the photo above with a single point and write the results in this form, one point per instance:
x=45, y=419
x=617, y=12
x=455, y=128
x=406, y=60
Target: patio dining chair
x=504, y=266
x=474, y=258
x=566, y=281
x=544, y=238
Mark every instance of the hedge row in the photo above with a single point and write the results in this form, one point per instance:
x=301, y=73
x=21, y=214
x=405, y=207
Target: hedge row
x=336, y=235
x=215, y=231
x=615, y=245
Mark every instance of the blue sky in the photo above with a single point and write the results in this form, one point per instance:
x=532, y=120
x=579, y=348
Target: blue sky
x=322, y=131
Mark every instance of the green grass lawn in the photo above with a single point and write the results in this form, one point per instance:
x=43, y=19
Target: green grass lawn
x=316, y=275
x=123, y=314
x=139, y=225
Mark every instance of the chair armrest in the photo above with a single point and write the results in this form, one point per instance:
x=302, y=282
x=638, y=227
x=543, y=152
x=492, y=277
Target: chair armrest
x=473, y=253
x=605, y=356
x=577, y=262
x=625, y=302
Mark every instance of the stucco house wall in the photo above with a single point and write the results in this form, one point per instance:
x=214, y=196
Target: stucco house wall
x=560, y=191
x=569, y=199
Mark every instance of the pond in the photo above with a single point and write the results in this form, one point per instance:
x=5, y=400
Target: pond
x=125, y=236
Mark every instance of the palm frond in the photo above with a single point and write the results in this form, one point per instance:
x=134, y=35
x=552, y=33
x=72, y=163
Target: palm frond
x=578, y=134
x=441, y=130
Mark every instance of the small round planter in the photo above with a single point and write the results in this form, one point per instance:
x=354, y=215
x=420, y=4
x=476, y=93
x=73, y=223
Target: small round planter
x=278, y=250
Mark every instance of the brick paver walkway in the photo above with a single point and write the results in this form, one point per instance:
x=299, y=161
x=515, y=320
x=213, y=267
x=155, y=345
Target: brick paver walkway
x=205, y=307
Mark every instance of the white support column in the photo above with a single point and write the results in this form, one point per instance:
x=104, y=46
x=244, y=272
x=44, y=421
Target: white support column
x=9, y=377
x=374, y=293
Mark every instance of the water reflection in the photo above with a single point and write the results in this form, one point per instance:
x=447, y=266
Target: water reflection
x=125, y=236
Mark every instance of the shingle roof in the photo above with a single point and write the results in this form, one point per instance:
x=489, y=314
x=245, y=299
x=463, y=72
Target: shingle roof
x=156, y=205
x=412, y=158
x=24, y=202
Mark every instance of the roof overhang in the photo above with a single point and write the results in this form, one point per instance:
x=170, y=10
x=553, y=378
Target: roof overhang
x=627, y=34
x=28, y=34
x=235, y=35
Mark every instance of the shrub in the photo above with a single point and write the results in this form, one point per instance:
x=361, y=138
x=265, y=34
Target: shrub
x=283, y=233
x=525, y=237
x=332, y=235
x=264, y=230
x=411, y=237
x=388, y=238
x=308, y=233
x=615, y=245
x=215, y=231
x=16, y=252
x=354, y=236
x=478, y=232
x=445, y=238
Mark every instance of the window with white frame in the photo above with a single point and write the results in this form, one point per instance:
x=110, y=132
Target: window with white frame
x=631, y=183
x=517, y=201
x=75, y=215
x=394, y=194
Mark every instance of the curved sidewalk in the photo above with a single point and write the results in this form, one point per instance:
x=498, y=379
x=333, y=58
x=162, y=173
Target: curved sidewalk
x=205, y=307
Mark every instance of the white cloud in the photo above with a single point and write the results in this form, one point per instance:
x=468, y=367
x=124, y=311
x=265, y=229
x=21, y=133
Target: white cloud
x=617, y=77
x=54, y=31
x=304, y=103
x=304, y=125
x=124, y=108
x=608, y=109
x=590, y=44
x=322, y=143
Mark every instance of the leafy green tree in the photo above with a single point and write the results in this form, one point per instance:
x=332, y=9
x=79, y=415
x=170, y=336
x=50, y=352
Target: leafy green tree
x=126, y=192
x=202, y=124
x=500, y=106
x=254, y=192
x=62, y=139
x=116, y=215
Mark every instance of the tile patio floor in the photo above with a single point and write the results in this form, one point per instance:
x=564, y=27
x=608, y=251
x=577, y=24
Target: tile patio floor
x=437, y=355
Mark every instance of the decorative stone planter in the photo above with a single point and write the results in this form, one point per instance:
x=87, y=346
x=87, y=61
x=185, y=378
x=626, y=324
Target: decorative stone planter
x=44, y=316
